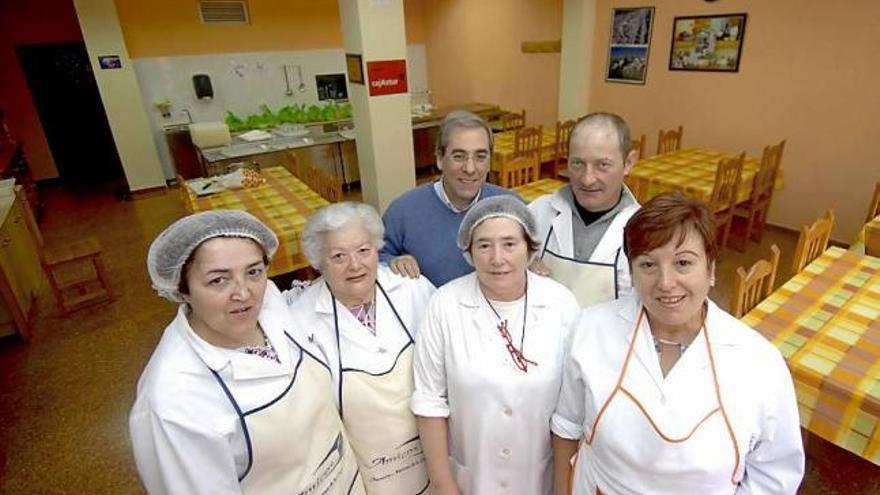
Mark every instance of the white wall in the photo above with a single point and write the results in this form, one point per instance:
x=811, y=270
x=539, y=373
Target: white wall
x=261, y=81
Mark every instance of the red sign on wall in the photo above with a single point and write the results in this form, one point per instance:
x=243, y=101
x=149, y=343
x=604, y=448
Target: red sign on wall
x=387, y=77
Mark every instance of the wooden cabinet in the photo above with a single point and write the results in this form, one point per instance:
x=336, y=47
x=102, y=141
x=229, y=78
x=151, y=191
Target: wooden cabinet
x=21, y=275
x=183, y=153
x=13, y=163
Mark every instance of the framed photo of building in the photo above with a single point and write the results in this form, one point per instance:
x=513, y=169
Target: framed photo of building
x=707, y=42
x=629, y=45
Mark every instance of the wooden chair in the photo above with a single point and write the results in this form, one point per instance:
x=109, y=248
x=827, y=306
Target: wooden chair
x=560, y=153
x=749, y=289
x=527, y=142
x=812, y=241
x=75, y=270
x=754, y=210
x=669, y=140
x=512, y=121
x=520, y=171
x=874, y=210
x=723, y=201
x=639, y=186
x=639, y=146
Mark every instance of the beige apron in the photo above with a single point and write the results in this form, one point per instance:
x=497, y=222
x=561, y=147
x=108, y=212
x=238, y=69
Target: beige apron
x=383, y=431
x=591, y=282
x=296, y=442
x=700, y=448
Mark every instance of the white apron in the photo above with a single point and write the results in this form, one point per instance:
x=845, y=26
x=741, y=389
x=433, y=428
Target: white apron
x=716, y=464
x=591, y=282
x=383, y=431
x=296, y=443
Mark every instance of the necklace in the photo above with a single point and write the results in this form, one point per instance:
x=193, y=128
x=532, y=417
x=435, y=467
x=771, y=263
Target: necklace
x=659, y=343
x=519, y=359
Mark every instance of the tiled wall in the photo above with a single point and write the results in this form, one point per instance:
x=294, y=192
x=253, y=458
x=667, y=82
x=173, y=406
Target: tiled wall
x=244, y=81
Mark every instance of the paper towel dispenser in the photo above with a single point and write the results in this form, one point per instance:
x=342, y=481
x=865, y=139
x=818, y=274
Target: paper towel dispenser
x=202, y=85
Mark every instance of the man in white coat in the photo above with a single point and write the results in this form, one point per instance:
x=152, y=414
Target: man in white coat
x=581, y=224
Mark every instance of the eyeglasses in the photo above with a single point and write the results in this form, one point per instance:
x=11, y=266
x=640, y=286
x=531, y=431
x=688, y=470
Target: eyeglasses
x=519, y=360
x=480, y=157
x=360, y=254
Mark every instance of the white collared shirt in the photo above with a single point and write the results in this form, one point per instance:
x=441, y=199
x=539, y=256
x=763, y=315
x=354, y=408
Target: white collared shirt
x=441, y=193
x=498, y=414
x=756, y=392
x=186, y=434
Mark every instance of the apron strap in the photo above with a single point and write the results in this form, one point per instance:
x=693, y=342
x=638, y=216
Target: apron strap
x=247, y=435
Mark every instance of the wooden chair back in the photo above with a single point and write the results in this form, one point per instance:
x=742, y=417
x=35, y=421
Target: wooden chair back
x=639, y=187
x=560, y=153
x=749, y=289
x=874, y=210
x=727, y=179
x=639, y=146
x=520, y=171
x=765, y=178
x=812, y=241
x=669, y=140
x=527, y=142
x=511, y=121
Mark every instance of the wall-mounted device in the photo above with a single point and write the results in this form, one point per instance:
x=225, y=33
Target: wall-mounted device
x=331, y=87
x=202, y=86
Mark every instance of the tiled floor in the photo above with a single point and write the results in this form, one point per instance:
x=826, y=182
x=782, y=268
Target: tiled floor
x=65, y=395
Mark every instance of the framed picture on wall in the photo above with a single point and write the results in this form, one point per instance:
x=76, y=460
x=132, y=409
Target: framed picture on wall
x=629, y=45
x=355, y=67
x=707, y=42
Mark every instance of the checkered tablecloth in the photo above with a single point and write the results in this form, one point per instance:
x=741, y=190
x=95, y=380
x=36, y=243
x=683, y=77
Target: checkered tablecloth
x=283, y=204
x=826, y=323
x=693, y=171
x=504, y=144
x=534, y=190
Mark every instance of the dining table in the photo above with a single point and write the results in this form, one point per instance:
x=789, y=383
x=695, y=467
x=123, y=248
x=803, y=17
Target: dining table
x=691, y=171
x=825, y=321
x=534, y=190
x=283, y=202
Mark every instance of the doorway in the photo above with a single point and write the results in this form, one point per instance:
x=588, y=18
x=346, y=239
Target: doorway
x=71, y=112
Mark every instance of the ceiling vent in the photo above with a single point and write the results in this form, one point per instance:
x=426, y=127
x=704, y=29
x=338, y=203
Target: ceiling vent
x=223, y=12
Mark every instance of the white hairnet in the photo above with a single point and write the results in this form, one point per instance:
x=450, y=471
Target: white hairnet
x=174, y=246
x=504, y=206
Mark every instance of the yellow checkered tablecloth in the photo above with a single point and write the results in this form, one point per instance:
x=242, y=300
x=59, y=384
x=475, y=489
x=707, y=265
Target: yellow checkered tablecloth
x=534, y=190
x=826, y=323
x=283, y=204
x=504, y=143
x=692, y=171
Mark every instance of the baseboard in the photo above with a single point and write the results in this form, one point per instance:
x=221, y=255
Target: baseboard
x=150, y=192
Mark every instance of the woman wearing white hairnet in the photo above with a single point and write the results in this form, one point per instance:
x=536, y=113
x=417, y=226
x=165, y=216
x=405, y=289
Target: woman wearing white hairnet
x=488, y=362
x=362, y=318
x=229, y=403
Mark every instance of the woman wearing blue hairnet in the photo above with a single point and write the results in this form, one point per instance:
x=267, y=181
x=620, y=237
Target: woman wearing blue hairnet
x=229, y=403
x=488, y=361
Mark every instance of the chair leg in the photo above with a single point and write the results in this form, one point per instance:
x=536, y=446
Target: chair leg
x=56, y=291
x=761, y=220
x=102, y=275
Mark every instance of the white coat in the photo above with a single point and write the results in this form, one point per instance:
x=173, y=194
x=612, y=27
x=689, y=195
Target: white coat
x=756, y=393
x=186, y=435
x=313, y=312
x=498, y=415
x=554, y=211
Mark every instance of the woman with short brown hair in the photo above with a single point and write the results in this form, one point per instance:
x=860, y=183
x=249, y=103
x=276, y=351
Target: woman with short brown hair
x=666, y=392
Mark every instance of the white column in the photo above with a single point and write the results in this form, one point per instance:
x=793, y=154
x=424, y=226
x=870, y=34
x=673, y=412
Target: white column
x=375, y=30
x=120, y=94
x=576, y=59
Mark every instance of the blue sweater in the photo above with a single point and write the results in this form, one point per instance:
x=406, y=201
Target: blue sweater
x=419, y=224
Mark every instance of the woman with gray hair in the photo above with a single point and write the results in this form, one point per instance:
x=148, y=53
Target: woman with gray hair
x=488, y=363
x=229, y=403
x=362, y=318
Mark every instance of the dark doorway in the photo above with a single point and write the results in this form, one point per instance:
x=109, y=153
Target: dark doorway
x=63, y=87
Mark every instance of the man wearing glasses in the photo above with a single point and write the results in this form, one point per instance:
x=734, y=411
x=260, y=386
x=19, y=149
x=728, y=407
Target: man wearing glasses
x=581, y=224
x=421, y=225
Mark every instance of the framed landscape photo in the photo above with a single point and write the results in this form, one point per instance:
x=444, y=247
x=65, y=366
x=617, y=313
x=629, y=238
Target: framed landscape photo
x=629, y=45
x=707, y=42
